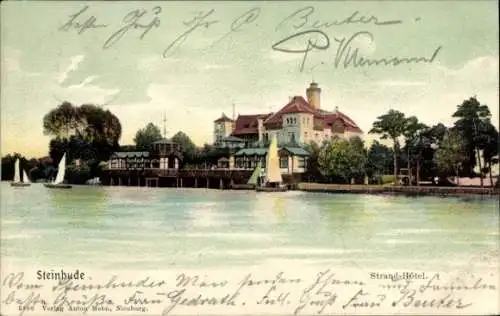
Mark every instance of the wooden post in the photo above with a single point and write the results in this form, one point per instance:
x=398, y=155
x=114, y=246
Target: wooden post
x=208, y=182
x=128, y=180
x=221, y=184
x=195, y=182
x=181, y=182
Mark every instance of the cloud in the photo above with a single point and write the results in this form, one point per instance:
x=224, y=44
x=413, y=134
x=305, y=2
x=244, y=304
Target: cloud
x=282, y=57
x=74, y=63
x=215, y=66
x=436, y=100
x=166, y=99
x=85, y=82
x=395, y=83
x=11, y=64
x=82, y=93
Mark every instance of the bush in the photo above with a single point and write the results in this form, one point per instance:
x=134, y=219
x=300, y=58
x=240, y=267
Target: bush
x=78, y=175
x=388, y=178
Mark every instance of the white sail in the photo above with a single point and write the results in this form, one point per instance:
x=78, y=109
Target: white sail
x=25, y=177
x=61, y=171
x=17, y=174
x=273, y=172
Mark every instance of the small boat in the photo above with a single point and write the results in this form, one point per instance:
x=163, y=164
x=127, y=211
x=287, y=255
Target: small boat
x=243, y=187
x=273, y=181
x=58, y=182
x=280, y=188
x=17, y=182
x=253, y=182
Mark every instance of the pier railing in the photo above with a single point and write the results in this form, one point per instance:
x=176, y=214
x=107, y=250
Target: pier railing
x=389, y=189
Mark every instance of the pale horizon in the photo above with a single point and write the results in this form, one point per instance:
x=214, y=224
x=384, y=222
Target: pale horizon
x=198, y=80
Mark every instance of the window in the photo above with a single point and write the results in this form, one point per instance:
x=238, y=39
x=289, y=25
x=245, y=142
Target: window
x=302, y=162
x=284, y=162
x=292, y=138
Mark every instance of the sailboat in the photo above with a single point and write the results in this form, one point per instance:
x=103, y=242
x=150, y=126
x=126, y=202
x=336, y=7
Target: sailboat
x=61, y=171
x=254, y=178
x=273, y=181
x=17, y=176
x=252, y=182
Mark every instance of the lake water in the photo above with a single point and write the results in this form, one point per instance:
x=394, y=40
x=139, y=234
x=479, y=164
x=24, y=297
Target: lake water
x=131, y=228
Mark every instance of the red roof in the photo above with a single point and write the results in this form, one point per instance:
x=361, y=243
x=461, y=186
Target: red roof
x=296, y=105
x=248, y=124
x=223, y=118
x=348, y=123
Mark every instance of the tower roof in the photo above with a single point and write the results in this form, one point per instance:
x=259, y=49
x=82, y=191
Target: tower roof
x=223, y=118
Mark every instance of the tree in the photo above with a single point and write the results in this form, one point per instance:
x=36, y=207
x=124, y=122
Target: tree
x=62, y=121
x=452, y=152
x=98, y=126
x=88, y=124
x=415, y=141
x=436, y=133
x=145, y=137
x=313, y=168
x=391, y=126
x=431, y=139
x=490, y=147
x=188, y=148
x=472, y=118
x=342, y=158
x=357, y=146
x=8, y=165
x=379, y=160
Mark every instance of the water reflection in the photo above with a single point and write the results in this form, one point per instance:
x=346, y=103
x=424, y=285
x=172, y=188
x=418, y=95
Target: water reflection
x=210, y=227
x=80, y=206
x=273, y=207
x=279, y=208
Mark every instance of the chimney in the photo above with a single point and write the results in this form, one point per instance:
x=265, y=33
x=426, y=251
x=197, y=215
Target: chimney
x=314, y=95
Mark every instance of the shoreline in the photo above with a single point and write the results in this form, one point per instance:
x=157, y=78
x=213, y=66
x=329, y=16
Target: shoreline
x=462, y=191
x=398, y=190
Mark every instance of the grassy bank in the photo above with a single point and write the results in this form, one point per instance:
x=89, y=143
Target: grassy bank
x=403, y=190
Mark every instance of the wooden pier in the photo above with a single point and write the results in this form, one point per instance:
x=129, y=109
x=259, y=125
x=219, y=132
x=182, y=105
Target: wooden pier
x=399, y=190
x=183, y=178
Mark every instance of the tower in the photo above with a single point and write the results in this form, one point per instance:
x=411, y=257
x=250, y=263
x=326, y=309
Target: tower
x=165, y=125
x=233, y=125
x=314, y=95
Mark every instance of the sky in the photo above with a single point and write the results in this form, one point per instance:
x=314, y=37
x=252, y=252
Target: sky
x=226, y=57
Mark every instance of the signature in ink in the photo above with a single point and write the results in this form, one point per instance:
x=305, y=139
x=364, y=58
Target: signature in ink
x=200, y=20
x=75, y=23
x=303, y=18
x=246, y=18
x=346, y=55
x=312, y=39
x=133, y=21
